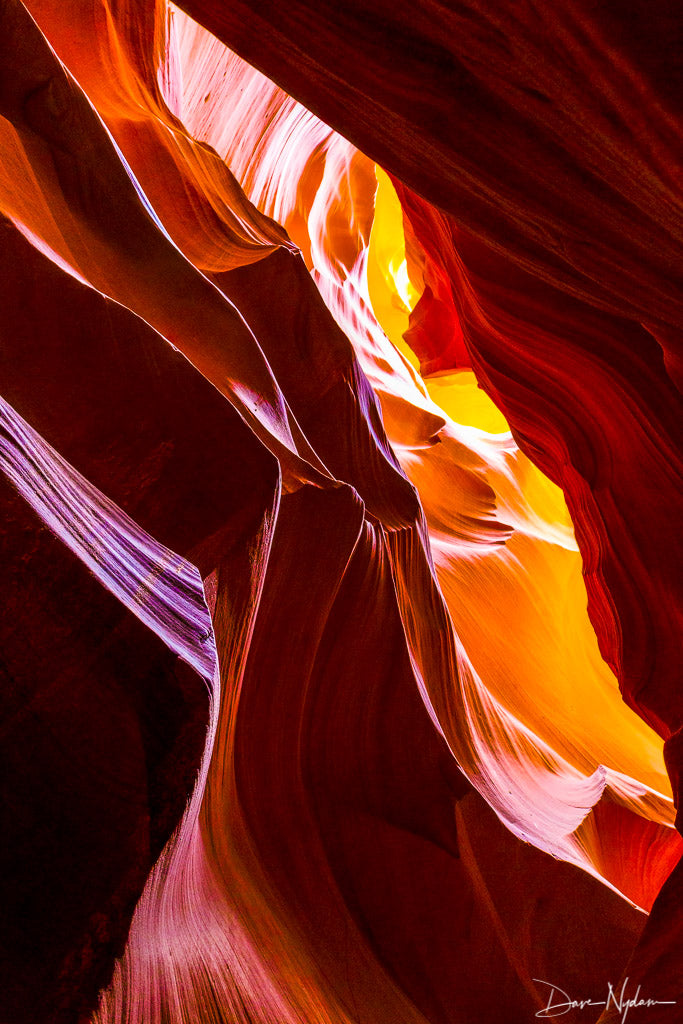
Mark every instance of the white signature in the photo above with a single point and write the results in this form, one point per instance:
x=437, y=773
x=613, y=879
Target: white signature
x=560, y=1003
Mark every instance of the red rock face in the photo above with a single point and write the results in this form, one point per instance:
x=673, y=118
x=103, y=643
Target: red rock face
x=609, y=378
x=303, y=718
